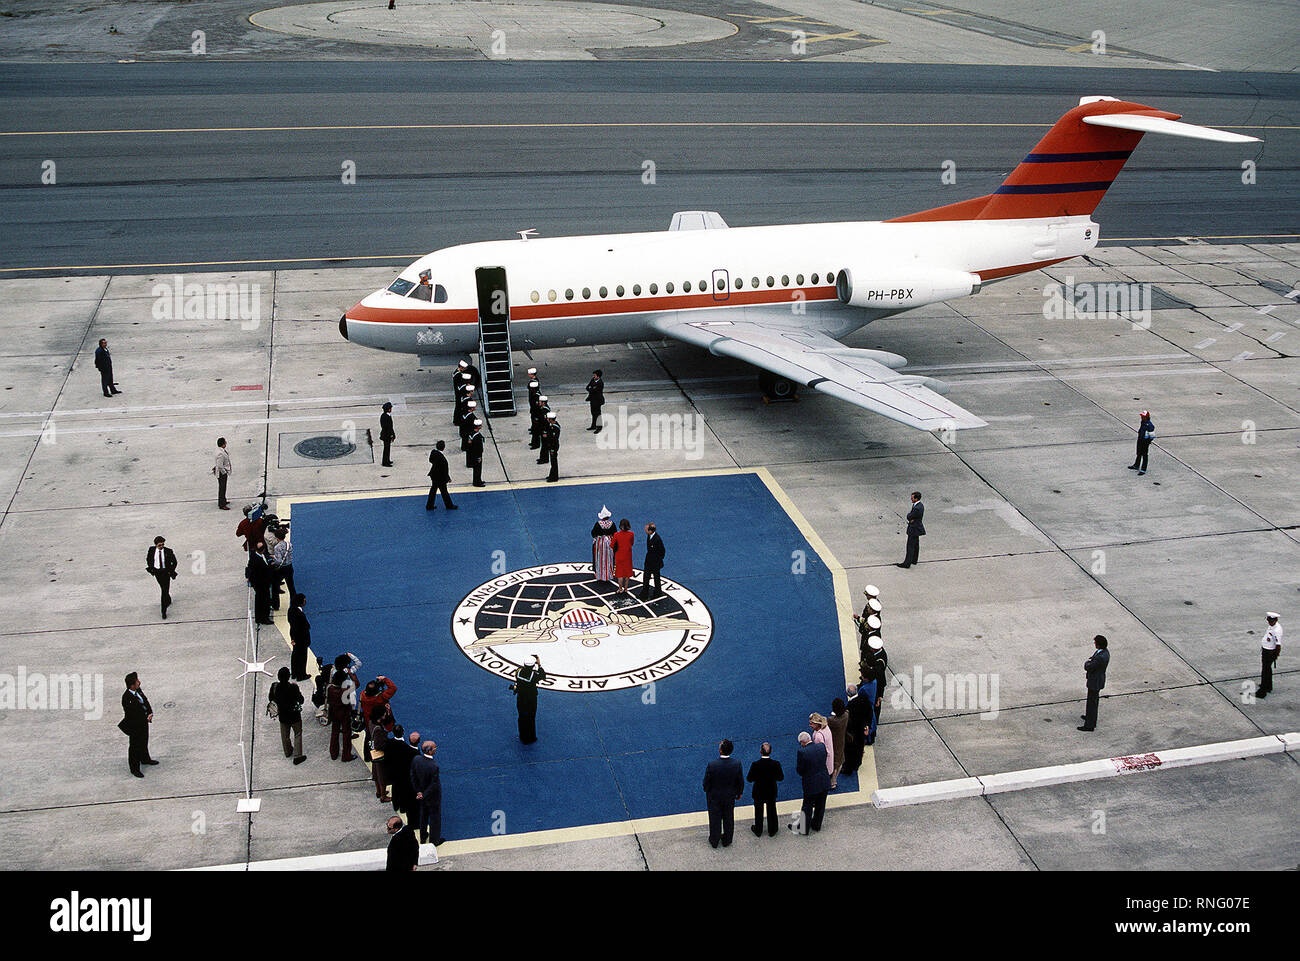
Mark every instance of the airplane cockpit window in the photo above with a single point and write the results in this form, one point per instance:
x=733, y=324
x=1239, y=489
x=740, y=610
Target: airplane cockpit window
x=435, y=293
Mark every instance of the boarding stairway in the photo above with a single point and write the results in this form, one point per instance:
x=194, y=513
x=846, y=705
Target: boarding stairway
x=495, y=359
x=497, y=367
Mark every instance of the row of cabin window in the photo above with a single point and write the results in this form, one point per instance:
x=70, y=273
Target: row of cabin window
x=619, y=291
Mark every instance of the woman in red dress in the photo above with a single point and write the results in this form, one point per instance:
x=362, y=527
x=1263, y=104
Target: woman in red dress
x=623, y=554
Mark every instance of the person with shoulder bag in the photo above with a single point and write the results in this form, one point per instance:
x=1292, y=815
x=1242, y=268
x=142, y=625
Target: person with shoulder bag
x=285, y=698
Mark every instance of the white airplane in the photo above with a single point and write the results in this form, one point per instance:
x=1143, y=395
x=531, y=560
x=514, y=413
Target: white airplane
x=779, y=297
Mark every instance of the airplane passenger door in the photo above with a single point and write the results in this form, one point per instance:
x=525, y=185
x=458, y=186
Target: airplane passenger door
x=721, y=286
x=494, y=341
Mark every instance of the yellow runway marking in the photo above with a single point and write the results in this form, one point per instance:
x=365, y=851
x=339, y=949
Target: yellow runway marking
x=413, y=256
x=577, y=124
x=867, y=778
x=582, y=124
x=792, y=19
x=220, y=263
x=818, y=37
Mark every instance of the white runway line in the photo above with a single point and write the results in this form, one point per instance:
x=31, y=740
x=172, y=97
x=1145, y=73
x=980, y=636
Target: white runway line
x=375, y=859
x=1083, y=771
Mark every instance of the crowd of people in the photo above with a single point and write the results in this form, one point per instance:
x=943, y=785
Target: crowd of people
x=832, y=747
x=404, y=771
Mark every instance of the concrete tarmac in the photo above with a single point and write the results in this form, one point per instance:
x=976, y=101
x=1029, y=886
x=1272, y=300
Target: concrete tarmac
x=244, y=164
x=1039, y=538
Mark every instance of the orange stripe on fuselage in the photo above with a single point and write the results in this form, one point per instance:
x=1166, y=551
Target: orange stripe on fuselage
x=997, y=272
x=590, y=308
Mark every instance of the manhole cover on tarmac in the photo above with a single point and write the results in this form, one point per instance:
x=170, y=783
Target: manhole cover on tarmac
x=316, y=449
x=325, y=447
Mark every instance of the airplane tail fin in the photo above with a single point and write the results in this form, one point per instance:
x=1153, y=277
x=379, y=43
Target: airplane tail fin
x=1070, y=169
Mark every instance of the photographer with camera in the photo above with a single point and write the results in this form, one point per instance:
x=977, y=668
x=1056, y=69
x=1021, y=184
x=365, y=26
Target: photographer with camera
x=525, y=688
x=281, y=553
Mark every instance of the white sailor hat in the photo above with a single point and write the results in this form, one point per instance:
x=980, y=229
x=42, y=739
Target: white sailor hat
x=532, y=371
x=463, y=363
x=604, y=513
x=477, y=422
x=872, y=591
x=467, y=376
x=550, y=414
x=1272, y=615
x=542, y=399
x=472, y=404
x=873, y=623
x=533, y=383
x=875, y=644
x=873, y=606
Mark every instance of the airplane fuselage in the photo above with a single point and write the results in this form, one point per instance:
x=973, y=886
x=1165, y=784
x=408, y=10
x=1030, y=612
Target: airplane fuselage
x=619, y=288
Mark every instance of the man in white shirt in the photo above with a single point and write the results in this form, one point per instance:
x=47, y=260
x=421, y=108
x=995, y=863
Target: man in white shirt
x=222, y=469
x=1269, y=648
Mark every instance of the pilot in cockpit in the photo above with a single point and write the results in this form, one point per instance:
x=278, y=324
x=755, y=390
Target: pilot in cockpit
x=425, y=290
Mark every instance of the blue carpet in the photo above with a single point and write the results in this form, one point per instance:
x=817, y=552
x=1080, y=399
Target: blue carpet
x=383, y=577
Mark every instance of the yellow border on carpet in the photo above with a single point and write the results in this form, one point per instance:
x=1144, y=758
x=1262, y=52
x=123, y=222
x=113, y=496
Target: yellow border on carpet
x=867, y=779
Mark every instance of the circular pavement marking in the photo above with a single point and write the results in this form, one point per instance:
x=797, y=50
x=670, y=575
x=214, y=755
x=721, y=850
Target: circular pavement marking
x=525, y=30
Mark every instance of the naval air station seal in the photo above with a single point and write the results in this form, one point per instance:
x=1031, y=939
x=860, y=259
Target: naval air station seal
x=590, y=637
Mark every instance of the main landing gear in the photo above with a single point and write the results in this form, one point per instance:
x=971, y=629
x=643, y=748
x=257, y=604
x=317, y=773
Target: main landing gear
x=776, y=388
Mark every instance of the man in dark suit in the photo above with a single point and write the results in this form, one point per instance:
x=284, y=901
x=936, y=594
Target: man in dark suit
x=811, y=767
x=299, y=637
x=104, y=364
x=764, y=775
x=137, y=715
x=403, y=848
x=525, y=687
x=724, y=783
x=915, y=531
x=654, y=562
x=398, y=755
x=596, y=399
x=262, y=579
x=439, y=478
x=861, y=712
x=160, y=562
x=386, y=433
x=1094, y=668
x=474, y=455
x=426, y=785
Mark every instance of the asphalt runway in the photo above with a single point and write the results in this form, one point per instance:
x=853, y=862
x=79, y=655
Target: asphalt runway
x=162, y=165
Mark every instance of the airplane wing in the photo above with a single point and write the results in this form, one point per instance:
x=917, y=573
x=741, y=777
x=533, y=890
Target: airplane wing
x=697, y=220
x=820, y=362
